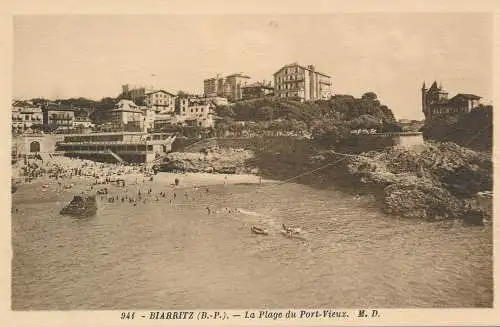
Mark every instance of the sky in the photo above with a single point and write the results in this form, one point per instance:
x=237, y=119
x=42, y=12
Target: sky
x=91, y=56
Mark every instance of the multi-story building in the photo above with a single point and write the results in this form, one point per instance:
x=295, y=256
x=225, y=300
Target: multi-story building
x=229, y=87
x=60, y=115
x=24, y=116
x=301, y=83
x=127, y=113
x=131, y=147
x=435, y=102
x=257, y=90
x=160, y=101
x=82, y=119
x=137, y=94
x=196, y=111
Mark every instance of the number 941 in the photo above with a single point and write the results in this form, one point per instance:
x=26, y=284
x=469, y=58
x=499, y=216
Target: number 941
x=128, y=315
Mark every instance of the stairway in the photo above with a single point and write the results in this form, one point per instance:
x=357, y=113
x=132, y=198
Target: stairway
x=117, y=157
x=45, y=156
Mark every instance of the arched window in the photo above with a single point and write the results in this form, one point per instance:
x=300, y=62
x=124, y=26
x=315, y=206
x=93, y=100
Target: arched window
x=35, y=146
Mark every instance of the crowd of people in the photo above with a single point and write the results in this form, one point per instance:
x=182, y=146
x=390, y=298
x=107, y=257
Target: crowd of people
x=120, y=185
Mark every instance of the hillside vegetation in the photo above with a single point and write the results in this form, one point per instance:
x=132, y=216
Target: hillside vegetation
x=339, y=107
x=473, y=130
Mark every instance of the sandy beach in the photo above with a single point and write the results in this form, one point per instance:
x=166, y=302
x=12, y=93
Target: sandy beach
x=63, y=178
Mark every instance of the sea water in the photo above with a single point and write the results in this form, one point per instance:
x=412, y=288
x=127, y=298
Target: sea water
x=177, y=256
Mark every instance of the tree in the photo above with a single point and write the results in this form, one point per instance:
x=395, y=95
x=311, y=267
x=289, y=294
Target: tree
x=328, y=133
x=39, y=101
x=365, y=122
x=372, y=96
x=181, y=93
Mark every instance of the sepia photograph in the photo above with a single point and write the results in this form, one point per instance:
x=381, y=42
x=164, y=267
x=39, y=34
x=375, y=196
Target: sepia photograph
x=191, y=162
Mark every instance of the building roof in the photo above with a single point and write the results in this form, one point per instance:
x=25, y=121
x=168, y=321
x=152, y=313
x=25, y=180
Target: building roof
x=20, y=103
x=163, y=91
x=238, y=75
x=222, y=77
x=127, y=105
x=434, y=86
x=303, y=67
x=466, y=96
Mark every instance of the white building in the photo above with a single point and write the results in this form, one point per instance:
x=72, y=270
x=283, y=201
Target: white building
x=126, y=113
x=25, y=115
x=160, y=101
x=302, y=83
x=196, y=111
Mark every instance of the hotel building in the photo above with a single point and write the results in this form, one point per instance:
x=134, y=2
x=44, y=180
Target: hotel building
x=229, y=87
x=302, y=83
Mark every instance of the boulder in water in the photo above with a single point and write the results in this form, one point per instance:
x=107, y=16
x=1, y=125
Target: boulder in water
x=81, y=206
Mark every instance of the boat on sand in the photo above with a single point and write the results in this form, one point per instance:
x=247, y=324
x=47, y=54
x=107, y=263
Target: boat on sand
x=258, y=230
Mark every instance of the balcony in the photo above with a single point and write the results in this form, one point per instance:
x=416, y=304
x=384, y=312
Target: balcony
x=298, y=79
x=61, y=117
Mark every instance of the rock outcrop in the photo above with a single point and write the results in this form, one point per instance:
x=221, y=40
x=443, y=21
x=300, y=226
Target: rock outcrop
x=433, y=181
x=211, y=159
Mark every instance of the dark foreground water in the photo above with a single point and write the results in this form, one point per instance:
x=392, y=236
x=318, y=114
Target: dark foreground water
x=164, y=256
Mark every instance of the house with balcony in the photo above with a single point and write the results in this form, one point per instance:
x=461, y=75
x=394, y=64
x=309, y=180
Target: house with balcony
x=302, y=83
x=195, y=111
x=60, y=115
x=160, y=101
x=24, y=116
x=127, y=114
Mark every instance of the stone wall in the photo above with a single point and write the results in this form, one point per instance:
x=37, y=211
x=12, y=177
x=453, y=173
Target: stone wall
x=26, y=144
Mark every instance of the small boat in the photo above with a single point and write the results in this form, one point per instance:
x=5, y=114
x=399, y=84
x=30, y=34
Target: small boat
x=291, y=230
x=258, y=230
x=81, y=206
